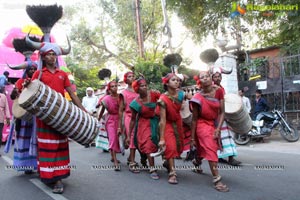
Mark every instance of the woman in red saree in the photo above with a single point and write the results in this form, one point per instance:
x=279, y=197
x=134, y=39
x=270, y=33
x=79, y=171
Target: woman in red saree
x=208, y=116
x=171, y=131
x=144, y=122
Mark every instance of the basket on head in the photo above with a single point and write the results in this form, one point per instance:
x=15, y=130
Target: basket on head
x=104, y=74
x=209, y=56
x=45, y=16
x=21, y=46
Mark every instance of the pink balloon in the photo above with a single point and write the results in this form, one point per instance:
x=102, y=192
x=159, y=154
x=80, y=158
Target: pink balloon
x=16, y=32
x=10, y=56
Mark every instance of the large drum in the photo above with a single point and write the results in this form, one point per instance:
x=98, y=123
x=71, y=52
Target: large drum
x=236, y=114
x=19, y=113
x=53, y=109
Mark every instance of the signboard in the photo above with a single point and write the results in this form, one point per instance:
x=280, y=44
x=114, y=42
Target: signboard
x=261, y=85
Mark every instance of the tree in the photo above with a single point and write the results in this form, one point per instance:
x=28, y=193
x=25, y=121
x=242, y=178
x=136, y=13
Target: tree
x=112, y=40
x=153, y=72
x=204, y=17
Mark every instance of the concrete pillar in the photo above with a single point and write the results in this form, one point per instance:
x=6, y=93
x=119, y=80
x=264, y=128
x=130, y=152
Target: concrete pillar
x=229, y=81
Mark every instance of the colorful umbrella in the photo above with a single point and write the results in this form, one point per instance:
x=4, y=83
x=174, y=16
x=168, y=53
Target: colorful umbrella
x=33, y=30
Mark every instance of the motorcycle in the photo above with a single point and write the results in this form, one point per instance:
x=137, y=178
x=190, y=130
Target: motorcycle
x=263, y=125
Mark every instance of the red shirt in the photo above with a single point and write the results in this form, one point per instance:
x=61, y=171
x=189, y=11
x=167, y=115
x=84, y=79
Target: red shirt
x=219, y=94
x=58, y=80
x=19, y=85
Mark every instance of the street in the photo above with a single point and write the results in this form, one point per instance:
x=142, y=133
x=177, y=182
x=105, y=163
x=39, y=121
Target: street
x=269, y=170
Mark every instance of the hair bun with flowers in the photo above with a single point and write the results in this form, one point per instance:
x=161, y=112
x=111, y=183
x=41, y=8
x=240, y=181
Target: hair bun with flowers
x=135, y=85
x=166, y=78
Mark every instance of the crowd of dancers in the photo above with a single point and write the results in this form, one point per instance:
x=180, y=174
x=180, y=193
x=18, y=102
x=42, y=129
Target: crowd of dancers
x=166, y=124
x=147, y=121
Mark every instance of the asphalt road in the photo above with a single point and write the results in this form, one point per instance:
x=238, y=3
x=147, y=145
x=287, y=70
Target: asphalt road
x=270, y=170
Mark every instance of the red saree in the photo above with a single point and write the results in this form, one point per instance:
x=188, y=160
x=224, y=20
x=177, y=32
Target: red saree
x=173, y=131
x=207, y=146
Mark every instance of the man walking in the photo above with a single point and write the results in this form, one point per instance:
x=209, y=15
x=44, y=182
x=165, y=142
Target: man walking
x=246, y=101
x=4, y=81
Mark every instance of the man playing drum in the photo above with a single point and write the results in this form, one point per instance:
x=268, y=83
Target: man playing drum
x=228, y=145
x=53, y=148
x=25, y=142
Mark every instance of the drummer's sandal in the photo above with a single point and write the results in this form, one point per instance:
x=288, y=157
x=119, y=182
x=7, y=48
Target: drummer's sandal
x=172, y=177
x=58, y=188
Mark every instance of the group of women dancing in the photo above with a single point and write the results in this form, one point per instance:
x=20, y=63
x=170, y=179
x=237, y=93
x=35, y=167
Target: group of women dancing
x=151, y=122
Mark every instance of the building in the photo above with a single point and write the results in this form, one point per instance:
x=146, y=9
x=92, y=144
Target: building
x=277, y=75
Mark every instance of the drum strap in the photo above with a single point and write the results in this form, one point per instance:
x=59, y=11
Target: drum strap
x=40, y=75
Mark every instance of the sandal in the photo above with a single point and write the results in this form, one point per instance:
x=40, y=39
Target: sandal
x=197, y=166
x=218, y=185
x=172, y=178
x=134, y=167
x=197, y=170
x=117, y=168
x=153, y=174
x=58, y=188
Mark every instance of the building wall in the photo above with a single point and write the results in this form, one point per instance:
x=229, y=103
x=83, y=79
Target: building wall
x=273, y=70
x=271, y=53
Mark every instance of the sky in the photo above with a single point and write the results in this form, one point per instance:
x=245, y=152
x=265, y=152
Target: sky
x=13, y=14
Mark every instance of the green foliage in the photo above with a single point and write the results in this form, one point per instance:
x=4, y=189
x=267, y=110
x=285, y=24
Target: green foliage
x=204, y=17
x=153, y=72
x=123, y=15
x=85, y=78
x=257, y=66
